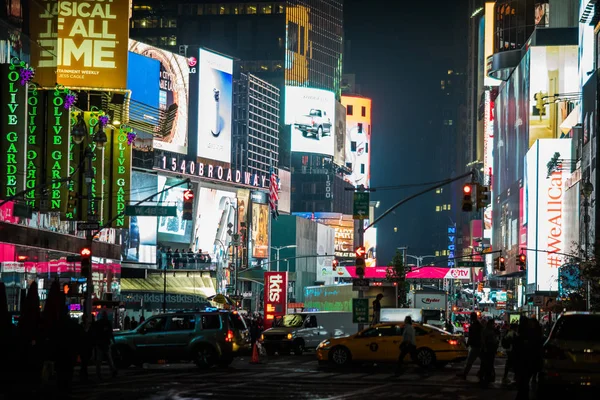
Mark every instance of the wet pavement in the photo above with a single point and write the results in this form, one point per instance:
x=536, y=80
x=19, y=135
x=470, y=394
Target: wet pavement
x=288, y=377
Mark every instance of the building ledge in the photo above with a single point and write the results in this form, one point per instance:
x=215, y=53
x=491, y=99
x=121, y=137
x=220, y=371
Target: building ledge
x=504, y=63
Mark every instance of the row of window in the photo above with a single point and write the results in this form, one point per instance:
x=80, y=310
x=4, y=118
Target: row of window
x=362, y=167
x=153, y=22
x=444, y=207
x=441, y=253
x=235, y=9
x=353, y=146
x=350, y=110
x=161, y=41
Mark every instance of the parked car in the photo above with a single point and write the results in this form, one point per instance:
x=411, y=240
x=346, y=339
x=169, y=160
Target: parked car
x=316, y=123
x=205, y=337
x=571, y=354
x=381, y=344
x=304, y=331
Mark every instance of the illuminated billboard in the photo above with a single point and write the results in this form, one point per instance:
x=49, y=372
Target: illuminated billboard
x=310, y=115
x=358, y=139
x=545, y=200
x=160, y=81
x=215, y=100
x=82, y=44
x=173, y=229
x=343, y=226
x=339, y=151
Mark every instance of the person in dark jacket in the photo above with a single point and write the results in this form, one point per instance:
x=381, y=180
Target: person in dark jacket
x=488, y=353
x=68, y=345
x=103, y=339
x=474, y=343
x=377, y=309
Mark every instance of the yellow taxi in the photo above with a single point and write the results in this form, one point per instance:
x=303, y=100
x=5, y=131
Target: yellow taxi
x=381, y=343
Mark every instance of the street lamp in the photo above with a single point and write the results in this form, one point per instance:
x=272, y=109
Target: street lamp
x=278, y=249
x=586, y=191
x=420, y=259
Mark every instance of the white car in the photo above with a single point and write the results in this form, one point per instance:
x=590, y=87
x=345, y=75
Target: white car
x=316, y=123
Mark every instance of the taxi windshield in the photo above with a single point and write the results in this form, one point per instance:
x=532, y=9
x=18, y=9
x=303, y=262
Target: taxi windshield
x=292, y=321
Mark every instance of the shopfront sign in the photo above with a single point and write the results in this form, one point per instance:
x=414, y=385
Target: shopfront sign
x=276, y=293
x=13, y=135
x=57, y=149
x=458, y=273
x=171, y=162
x=35, y=138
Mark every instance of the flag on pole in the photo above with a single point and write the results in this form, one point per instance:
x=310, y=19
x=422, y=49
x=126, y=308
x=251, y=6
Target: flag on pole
x=273, y=193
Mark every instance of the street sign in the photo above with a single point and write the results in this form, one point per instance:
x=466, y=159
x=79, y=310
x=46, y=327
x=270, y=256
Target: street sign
x=151, y=211
x=471, y=264
x=88, y=226
x=361, y=205
x=360, y=284
x=360, y=311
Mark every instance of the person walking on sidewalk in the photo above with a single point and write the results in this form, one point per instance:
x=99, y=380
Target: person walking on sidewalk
x=408, y=345
x=103, y=340
x=508, y=346
x=474, y=343
x=377, y=309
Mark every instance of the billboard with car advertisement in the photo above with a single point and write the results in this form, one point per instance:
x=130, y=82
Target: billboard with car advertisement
x=310, y=115
x=215, y=100
x=276, y=296
x=80, y=44
x=358, y=139
x=160, y=84
x=545, y=207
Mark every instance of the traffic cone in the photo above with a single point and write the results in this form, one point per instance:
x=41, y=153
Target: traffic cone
x=255, y=359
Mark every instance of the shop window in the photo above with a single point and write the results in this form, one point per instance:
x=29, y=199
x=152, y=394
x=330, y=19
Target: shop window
x=353, y=146
x=349, y=109
x=363, y=111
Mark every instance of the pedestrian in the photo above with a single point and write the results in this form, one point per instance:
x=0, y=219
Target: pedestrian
x=377, y=309
x=134, y=323
x=408, y=345
x=488, y=353
x=524, y=364
x=127, y=323
x=508, y=346
x=86, y=347
x=537, y=344
x=68, y=345
x=103, y=340
x=254, y=332
x=474, y=343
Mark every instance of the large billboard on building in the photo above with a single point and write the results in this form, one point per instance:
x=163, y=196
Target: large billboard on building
x=545, y=205
x=80, y=44
x=358, y=139
x=259, y=239
x=325, y=245
x=511, y=142
x=310, y=115
x=285, y=191
x=339, y=150
x=215, y=100
x=160, y=80
x=343, y=226
x=173, y=229
x=276, y=295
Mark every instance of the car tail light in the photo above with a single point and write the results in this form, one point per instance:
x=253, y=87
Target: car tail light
x=229, y=337
x=452, y=342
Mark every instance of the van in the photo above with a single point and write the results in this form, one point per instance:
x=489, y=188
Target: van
x=302, y=331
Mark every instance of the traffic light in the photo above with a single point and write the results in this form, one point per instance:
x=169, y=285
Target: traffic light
x=522, y=261
x=188, y=204
x=360, y=261
x=497, y=264
x=467, y=203
x=86, y=261
x=482, y=196
x=502, y=262
x=334, y=264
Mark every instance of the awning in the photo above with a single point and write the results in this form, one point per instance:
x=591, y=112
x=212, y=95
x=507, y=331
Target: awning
x=256, y=275
x=200, y=285
x=571, y=120
x=428, y=273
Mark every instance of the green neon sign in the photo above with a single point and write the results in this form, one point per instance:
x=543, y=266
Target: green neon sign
x=57, y=149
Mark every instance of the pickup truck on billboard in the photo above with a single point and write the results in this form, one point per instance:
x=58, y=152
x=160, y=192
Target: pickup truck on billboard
x=316, y=123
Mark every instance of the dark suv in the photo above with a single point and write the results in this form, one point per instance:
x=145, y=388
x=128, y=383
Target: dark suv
x=205, y=337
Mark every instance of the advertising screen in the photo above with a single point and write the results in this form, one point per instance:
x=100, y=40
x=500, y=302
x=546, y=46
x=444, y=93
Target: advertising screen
x=214, y=211
x=138, y=243
x=215, y=100
x=344, y=230
x=545, y=205
x=339, y=150
x=167, y=91
x=511, y=142
x=173, y=229
x=310, y=114
x=358, y=139
x=260, y=230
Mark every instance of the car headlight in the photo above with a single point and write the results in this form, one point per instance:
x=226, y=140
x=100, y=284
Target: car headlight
x=262, y=337
x=324, y=344
x=289, y=336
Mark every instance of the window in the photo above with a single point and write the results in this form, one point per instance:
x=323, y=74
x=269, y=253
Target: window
x=419, y=331
x=237, y=322
x=363, y=111
x=362, y=168
x=224, y=10
x=349, y=109
x=360, y=127
x=293, y=37
x=211, y=321
x=266, y=9
x=444, y=207
x=353, y=146
x=366, y=147
x=437, y=208
x=449, y=207
x=349, y=165
x=437, y=253
x=182, y=323
x=154, y=325
x=386, y=330
x=301, y=40
x=252, y=9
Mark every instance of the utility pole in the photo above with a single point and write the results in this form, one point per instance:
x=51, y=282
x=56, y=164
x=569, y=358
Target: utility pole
x=89, y=178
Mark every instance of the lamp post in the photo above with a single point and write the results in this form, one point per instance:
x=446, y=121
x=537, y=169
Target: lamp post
x=586, y=191
x=420, y=259
x=278, y=249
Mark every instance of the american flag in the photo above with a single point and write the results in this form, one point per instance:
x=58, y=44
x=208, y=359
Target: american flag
x=273, y=193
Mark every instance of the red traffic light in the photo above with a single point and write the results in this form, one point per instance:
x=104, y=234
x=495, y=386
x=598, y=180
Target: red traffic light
x=85, y=252
x=467, y=189
x=502, y=259
x=522, y=258
x=335, y=263
x=188, y=195
x=360, y=252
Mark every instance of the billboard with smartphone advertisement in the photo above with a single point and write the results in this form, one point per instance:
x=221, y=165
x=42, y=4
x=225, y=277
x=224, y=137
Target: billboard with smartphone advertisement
x=159, y=84
x=215, y=100
x=545, y=207
x=276, y=293
x=310, y=115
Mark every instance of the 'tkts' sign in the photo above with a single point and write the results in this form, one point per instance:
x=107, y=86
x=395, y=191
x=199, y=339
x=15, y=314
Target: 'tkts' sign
x=276, y=293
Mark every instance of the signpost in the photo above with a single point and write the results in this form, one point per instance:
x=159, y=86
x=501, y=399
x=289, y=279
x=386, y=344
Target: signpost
x=361, y=205
x=360, y=284
x=151, y=211
x=471, y=264
x=360, y=311
x=88, y=226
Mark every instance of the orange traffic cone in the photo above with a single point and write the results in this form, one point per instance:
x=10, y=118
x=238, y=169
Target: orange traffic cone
x=255, y=358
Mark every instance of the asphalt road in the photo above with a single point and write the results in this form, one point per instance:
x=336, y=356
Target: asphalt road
x=288, y=377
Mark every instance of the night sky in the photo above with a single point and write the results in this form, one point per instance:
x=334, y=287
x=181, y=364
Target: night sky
x=399, y=51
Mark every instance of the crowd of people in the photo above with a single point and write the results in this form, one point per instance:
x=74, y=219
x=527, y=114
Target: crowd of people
x=180, y=258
